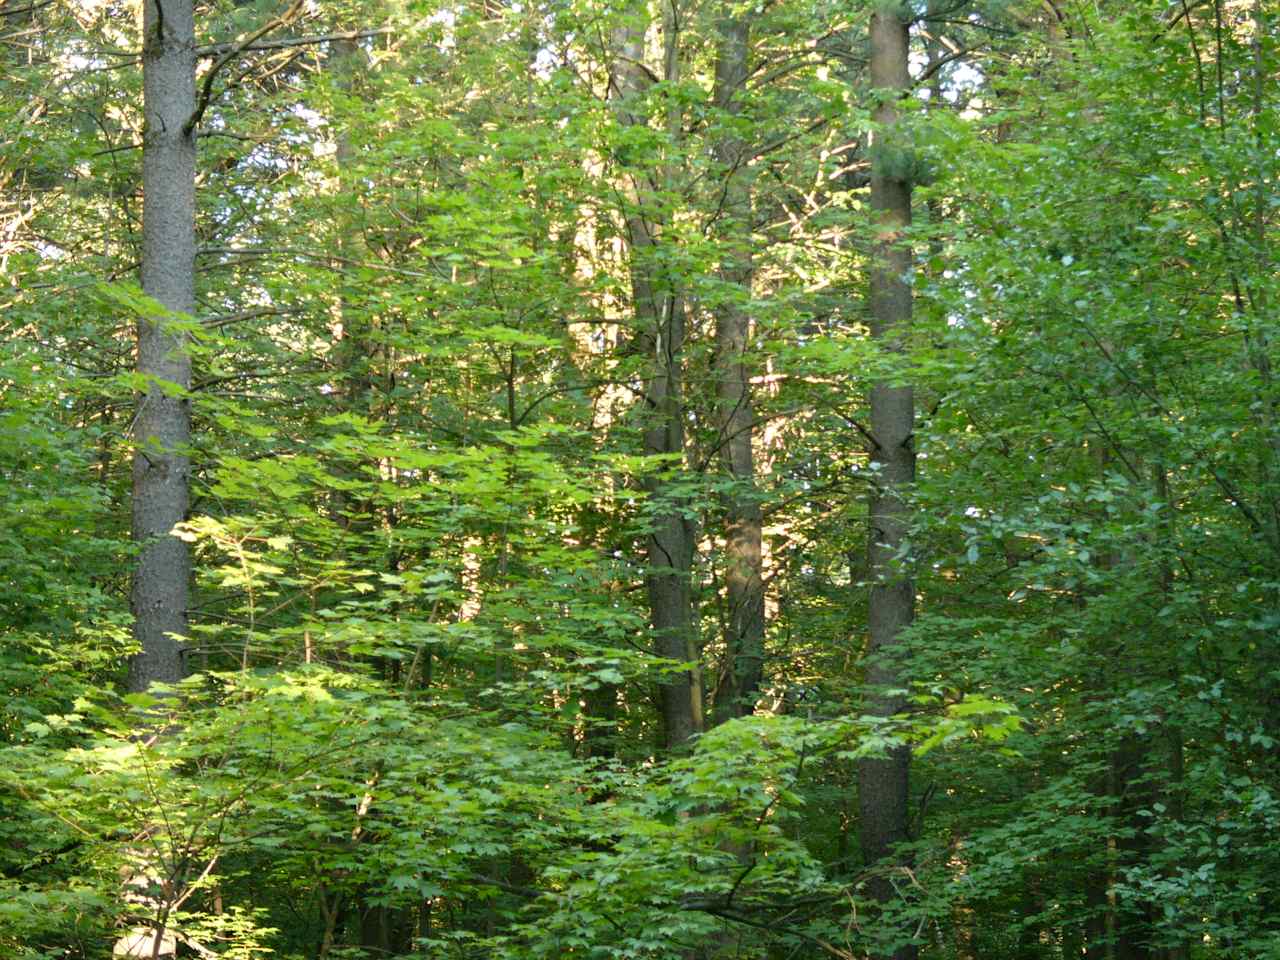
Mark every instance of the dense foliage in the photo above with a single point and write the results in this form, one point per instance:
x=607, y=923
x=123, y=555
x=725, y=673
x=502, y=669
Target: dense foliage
x=440, y=246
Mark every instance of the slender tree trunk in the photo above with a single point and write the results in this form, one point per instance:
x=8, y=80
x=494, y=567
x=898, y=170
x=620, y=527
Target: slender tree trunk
x=1097, y=941
x=660, y=322
x=1171, y=792
x=356, y=350
x=601, y=718
x=162, y=429
x=1133, y=768
x=1173, y=798
x=359, y=353
x=882, y=782
x=741, y=672
x=375, y=930
x=1134, y=794
x=670, y=543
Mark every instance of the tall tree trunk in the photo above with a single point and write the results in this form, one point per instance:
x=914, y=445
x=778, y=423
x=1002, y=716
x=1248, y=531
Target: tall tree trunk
x=1172, y=790
x=882, y=782
x=1173, y=798
x=1133, y=791
x=1097, y=938
x=660, y=323
x=356, y=351
x=670, y=543
x=359, y=352
x=162, y=431
x=743, y=665
x=356, y=348
x=600, y=712
x=162, y=425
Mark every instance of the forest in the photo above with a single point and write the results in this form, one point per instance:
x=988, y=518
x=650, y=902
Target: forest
x=639, y=479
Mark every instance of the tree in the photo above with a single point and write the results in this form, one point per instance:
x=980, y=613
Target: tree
x=742, y=670
x=882, y=781
x=660, y=332
x=162, y=425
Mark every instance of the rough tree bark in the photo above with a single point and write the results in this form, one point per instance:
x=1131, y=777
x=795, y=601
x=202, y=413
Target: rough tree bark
x=740, y=674
x=162, y=429
x=882, y=782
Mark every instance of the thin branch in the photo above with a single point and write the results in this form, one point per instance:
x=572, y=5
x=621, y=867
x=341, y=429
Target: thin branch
x=214, y=323
x=782, y=141
x=230, y=135
x=29, y=8
x=717, y=911
x=120, y=149
x=1175, y=16
x=1195, y=53
x=206, y=89
x=941, y=62
x=221, y=49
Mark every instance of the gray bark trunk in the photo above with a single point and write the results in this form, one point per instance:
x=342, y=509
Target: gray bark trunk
x=741, y=672
x=162, y=430
x=882, y=782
